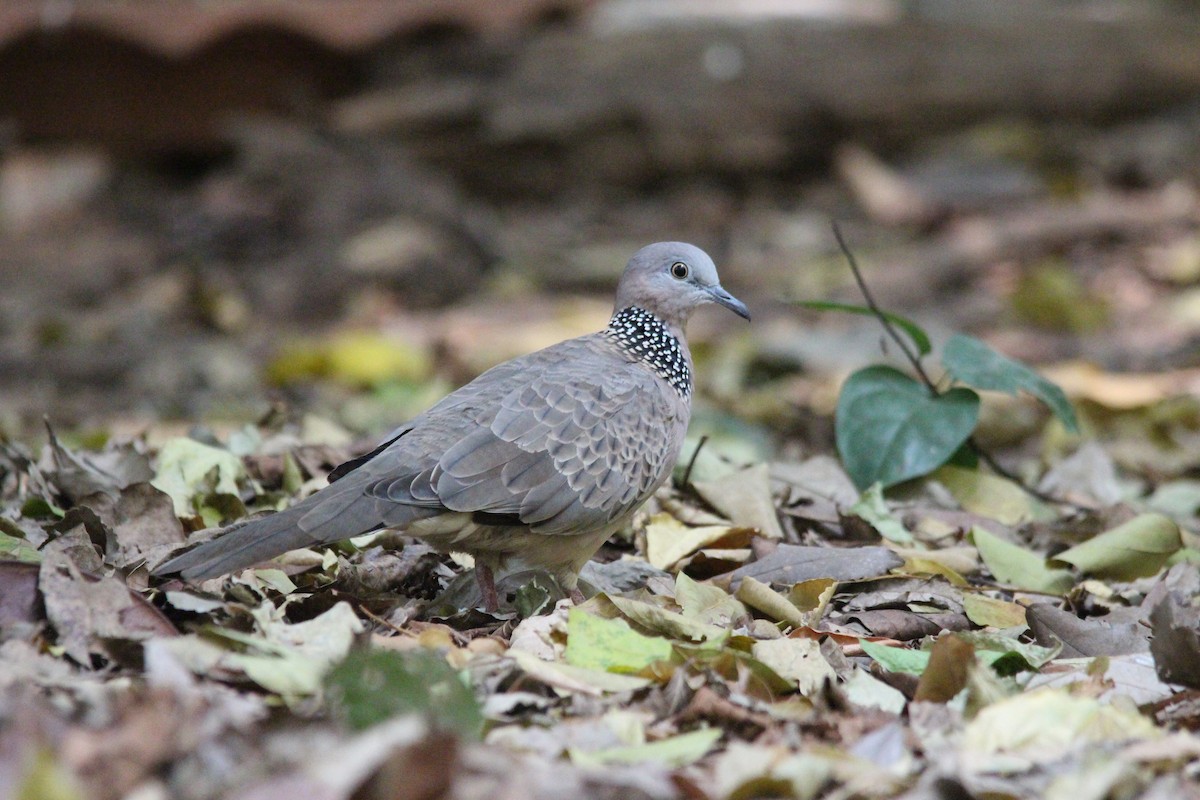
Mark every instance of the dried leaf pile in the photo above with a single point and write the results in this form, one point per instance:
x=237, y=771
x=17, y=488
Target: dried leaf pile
x=763, y=631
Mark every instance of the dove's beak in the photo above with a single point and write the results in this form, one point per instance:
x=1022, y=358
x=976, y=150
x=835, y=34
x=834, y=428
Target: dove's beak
x=724, y=298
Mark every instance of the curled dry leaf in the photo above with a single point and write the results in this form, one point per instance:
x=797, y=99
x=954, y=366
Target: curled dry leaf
x=86, y=609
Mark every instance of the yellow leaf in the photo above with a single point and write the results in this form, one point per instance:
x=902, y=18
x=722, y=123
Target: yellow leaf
x=668, y=540
x=992, y=496
x=988, y=611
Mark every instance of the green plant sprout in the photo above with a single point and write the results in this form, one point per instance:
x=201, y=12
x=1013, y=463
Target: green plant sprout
x=892, y=427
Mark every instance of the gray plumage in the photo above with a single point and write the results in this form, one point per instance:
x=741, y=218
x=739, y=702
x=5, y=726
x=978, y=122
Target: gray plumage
x=538, y=459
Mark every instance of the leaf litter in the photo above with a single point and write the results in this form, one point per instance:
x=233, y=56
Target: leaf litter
x=958, y=632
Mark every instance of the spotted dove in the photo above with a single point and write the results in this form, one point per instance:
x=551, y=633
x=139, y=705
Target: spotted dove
x=537, y=461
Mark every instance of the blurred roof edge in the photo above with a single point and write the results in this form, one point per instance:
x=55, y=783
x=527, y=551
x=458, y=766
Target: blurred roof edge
x=180, y=27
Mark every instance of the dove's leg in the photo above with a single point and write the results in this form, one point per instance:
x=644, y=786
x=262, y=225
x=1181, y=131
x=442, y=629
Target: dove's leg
x=487, y=585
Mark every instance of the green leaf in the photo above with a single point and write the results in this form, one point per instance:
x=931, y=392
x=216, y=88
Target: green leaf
x=277, y=579
x=533, y=598
x=914, y=331
x=1007, y=655
x=371, y=686
x=40, y=508
x=974, y=363
x=1015, y=566
x=14, y=545
x=674, y=751
x=992, y=496
x=1138, y=548
x=896, y=659
x=610, y=644
x=890, y=429
x=580, y=680
x=872, y=508
x=44, y=775
x=668, y=623
x=188, y=469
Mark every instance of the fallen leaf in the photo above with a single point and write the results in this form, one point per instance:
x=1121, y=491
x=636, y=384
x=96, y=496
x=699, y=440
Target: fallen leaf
x=1138, y=548
x=812, y=598
x=789, y=564
x=288, y=659
x=819, y=477
x=143, y=521
x=567, y=679
x=669, y=623
x=950, y=659
x=706, y=603
x=610, y=644
x=747, y=770
x=1120, y=391
x=79, y=474
x=989, y=612
x=19, y=599
x=1044, y=724
x=87, y=610
x=873, y=509
x=1085, y=637
x=674, y=751
x=1176, y=641
x=992, y=496
x=1015, y=566
x=372, y=686
x=763, y=598
x=796, y=660
x=744, y=497
x=668, y=540
x=1088, y=475
x=1006, y=654
x=14, y=545
x=1129, y=677
x=868, y=692
x=188, y=469
x=896, y=659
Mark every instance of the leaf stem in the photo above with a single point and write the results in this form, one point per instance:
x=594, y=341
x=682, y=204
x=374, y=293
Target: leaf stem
x=903, y=343
x=687, y=472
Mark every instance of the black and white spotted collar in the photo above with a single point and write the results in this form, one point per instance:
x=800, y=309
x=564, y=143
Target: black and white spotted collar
x=645, y=337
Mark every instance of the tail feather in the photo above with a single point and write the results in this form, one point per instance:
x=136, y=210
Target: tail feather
x=271, y=536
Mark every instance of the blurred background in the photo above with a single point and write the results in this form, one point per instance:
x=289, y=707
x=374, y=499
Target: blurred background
x=210, y=209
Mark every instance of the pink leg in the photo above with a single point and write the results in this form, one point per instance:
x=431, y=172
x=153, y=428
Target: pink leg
x=577, y=596
x=487, y=586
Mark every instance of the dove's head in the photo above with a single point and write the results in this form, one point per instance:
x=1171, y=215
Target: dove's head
x=671, y=280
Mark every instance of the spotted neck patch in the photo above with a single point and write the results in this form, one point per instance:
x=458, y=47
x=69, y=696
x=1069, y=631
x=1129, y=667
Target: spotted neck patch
x=644, y=336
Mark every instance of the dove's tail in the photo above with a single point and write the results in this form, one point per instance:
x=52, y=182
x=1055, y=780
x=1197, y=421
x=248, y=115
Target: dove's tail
x=327, y=516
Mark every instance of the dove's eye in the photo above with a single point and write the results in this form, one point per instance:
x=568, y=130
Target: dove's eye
x=679, y=270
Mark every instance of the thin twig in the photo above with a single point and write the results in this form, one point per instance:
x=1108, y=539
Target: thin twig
x=905, y=345
x=687, y=472
x=996, y=467
x=381, y=621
